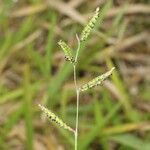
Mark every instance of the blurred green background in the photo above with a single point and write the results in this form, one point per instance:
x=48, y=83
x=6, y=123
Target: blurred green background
x=114, y=116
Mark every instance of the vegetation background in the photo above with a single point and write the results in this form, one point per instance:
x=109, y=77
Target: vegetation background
x=114, y=116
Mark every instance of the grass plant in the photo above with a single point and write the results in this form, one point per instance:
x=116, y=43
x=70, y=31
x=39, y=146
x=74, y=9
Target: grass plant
x=33, y=71
x=74, y=60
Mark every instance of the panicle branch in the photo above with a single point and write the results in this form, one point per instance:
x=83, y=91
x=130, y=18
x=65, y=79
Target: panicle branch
x=96, y=81
x=67, y=51
x=88, y=28
x=52, y=117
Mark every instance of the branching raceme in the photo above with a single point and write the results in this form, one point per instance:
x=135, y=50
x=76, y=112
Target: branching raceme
x=73, y=60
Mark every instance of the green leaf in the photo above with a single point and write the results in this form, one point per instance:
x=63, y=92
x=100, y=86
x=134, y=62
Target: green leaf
x=131, y=141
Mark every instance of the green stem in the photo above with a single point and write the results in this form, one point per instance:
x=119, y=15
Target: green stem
x=77, y=109
x=78, y=48
x=77, y=94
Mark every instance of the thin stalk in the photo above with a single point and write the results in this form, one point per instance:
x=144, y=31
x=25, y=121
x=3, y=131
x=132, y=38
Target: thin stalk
x=78, y=48
x=77, y=109
x=77, y=94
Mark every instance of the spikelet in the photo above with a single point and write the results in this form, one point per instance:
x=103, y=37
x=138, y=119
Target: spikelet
x=96, y=81
x=51, y=116
x=67, y=50
x=88, y=28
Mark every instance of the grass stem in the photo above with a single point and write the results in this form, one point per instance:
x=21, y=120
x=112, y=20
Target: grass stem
x=77, y=94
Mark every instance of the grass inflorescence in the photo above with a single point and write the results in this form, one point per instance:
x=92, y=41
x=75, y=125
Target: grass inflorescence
x=33, y=70
x=74, y=60
x=96, y=81
x=67, y=51
x=88, y=28
x=54, y=118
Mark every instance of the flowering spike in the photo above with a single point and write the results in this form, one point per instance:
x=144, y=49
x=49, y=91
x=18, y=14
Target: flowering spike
x=51, y=116
x=96, y=81
x=67, y=50
x=88, y=28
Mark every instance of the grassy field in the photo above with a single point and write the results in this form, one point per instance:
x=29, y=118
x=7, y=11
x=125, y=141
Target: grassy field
x=33, y=70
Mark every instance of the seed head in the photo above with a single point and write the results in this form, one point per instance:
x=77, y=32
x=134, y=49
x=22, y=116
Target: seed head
x=67, y=51
x=96, y=81
x=52, y=117
x=88, y=28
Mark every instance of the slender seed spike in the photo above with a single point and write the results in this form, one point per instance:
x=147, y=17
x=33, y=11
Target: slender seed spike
x=67, y=50
x=51, y=116
x=88, y=28
x=96, y=81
